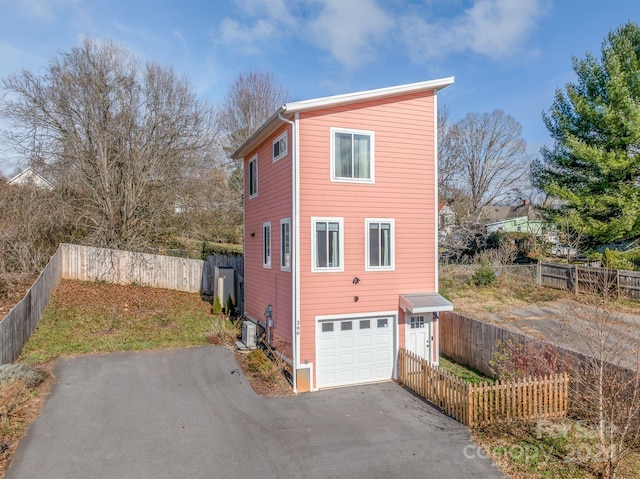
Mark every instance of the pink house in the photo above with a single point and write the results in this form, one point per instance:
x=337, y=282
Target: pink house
x=341, y=227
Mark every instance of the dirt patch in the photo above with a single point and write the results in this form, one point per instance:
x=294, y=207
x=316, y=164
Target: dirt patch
x=269, y=383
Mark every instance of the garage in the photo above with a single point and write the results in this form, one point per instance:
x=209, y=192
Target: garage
x=354, y=350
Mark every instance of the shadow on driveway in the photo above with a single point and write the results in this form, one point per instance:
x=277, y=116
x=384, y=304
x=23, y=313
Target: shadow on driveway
x=190, y=413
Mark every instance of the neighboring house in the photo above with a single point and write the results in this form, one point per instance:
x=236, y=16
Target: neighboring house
x=446, y=220
x=30, y=177
x=523, y=218
x=341, y=219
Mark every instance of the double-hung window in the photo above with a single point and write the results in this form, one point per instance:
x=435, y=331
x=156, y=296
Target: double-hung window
x=266, y=244
x=379, y=244
x=280, y=147
x=352, y=155
x=327, y=244
x=253, y=177
x=285, y=244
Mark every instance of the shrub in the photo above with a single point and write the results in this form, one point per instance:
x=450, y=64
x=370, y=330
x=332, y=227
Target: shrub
x=16, y=371
x=483, y=276
x=229, y=306
x=217, y=305
x=258, y=361
x=616, y=260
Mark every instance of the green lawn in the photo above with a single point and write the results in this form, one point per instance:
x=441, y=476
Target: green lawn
x=98, y=317
x=465, y=373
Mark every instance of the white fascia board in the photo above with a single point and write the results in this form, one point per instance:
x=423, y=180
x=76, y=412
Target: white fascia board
x=275, y=121
x=335, y=100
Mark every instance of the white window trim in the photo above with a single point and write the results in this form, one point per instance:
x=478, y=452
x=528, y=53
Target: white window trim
x=392, y=258
x=371, y=135
x=318, y=219
x=286, y=147
x=253, y=160
x=266, y=262
x=284, y=221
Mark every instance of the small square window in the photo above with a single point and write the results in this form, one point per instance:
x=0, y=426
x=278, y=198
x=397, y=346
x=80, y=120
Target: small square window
x=383, y=323
x=280, y=147
x=327, y=327
x=346, y=326
x=417, y=322
x=365, y=324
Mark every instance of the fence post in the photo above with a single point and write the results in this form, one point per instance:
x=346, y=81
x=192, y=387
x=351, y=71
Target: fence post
x=539, y=273
x=575, y=281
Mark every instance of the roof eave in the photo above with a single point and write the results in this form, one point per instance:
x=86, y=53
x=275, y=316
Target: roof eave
x=275, y=121
x=266, y=129
x=378, y=93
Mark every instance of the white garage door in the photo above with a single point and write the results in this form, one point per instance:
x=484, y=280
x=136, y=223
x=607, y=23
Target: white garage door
x=354, y=351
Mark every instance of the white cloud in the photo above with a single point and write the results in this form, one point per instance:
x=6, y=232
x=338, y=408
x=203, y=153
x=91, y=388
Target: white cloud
x=248, y=39
x=41, y=9
x=274, y=9
x=351, y=30
x=495, y=28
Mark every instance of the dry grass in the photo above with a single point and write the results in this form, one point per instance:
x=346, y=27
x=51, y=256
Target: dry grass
x=20, y=403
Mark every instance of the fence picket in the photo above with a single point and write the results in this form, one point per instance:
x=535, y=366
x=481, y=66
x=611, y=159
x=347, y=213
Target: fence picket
x=477, y=405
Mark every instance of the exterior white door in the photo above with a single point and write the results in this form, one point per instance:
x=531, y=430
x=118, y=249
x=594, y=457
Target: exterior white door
x=418, y=335
x=354, y=351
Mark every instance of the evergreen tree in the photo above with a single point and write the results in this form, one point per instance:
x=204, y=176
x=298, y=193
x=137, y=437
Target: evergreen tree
x=593, y=168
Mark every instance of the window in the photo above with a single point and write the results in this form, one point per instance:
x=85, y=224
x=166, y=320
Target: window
x=280, y=147
x=365, y=324
x=326, y=244
x=383, y=323
x=379, y=244
x=352, y=157
x=417, y=322
x=285, y=244
x=327, y=327
x=253, y=177
x=346, y=326
x=266, y=245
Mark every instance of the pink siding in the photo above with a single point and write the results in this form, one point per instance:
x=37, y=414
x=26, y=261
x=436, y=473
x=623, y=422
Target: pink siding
x=273, y=203
x=404, y=190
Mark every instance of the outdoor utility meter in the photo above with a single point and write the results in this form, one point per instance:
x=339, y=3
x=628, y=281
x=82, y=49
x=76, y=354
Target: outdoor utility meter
x=267, y=314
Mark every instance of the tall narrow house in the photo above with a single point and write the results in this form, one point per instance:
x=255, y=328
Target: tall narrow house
x=341, y=218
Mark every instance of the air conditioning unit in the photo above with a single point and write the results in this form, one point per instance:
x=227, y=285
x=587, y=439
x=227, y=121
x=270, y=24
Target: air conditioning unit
x=249, y=334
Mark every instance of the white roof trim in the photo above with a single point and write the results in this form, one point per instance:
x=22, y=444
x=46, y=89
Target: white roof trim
x=424, y=303
x=276, y=119
x=367, y=95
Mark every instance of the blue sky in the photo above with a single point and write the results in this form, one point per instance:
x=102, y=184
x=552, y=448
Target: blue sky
x=508, y=54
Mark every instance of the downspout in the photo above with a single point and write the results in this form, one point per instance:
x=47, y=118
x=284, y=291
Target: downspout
x=294, y=255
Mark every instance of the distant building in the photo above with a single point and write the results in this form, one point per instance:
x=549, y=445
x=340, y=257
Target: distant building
x=523, y=218
x=30, y=177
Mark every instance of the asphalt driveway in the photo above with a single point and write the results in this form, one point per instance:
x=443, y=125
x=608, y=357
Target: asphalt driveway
x=190, y=413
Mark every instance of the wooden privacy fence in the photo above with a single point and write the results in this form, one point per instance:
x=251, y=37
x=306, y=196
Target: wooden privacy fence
x=19, y=324
x=484, y=404
x=586, y=279
x=113, y=266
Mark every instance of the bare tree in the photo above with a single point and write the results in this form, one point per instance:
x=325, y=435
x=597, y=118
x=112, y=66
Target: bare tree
x=492, y=156
x=251, y=100
x=606, y=382
x=118, y=138
x=448, y=161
